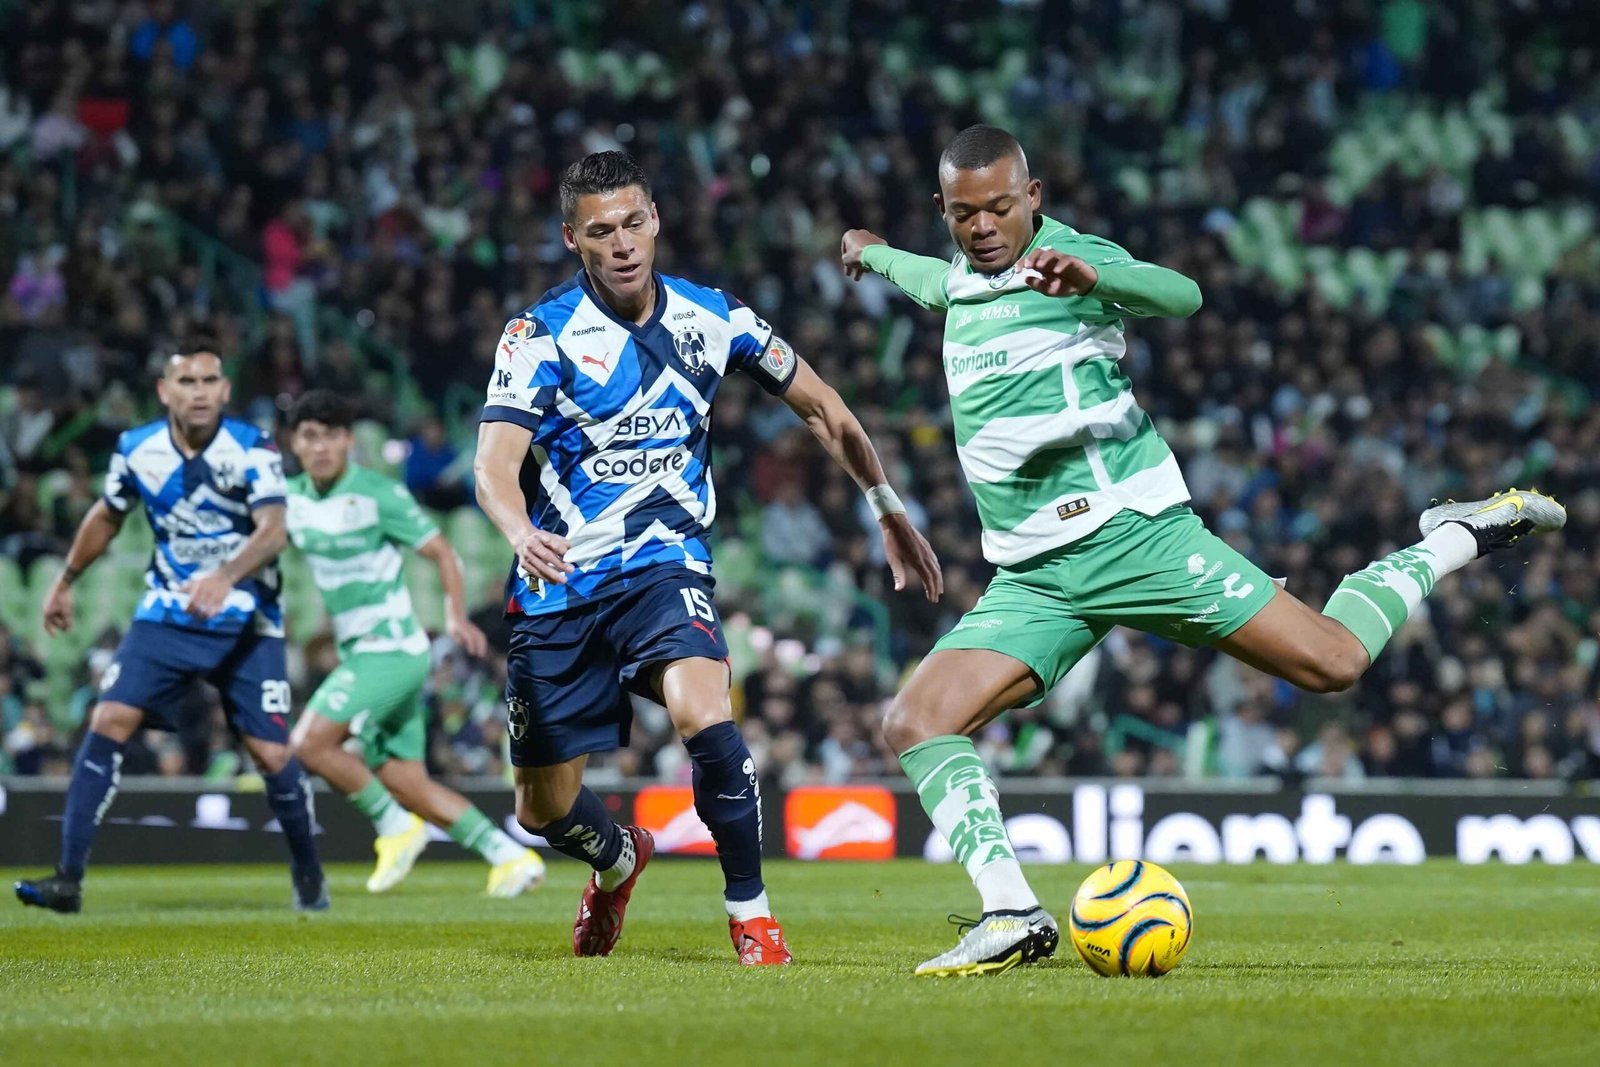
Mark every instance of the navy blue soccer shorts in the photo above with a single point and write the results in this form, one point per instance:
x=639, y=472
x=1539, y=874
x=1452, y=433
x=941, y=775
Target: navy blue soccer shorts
x=569, y=674
x=155, y=664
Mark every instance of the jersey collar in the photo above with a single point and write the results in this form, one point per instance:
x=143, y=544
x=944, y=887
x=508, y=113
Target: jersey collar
x=635, y=328
x=338, y=483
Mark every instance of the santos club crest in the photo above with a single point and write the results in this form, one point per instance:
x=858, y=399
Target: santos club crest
x=691, y=346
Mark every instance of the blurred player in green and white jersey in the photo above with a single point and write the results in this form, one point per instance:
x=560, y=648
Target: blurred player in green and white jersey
x=1085, y=513
x=353, y=526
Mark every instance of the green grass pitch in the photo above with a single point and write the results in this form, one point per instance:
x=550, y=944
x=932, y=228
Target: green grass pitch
x=1300, y=965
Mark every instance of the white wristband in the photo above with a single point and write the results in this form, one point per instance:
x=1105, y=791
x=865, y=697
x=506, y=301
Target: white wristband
x=884, y=502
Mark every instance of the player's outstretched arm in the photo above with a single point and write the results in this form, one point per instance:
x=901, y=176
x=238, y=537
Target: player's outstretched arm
x=502, y=446
x=922, y=278
x=209, y=592
x=95, y=534
x=437, y=551
x=840, y=433
x=1124, y=286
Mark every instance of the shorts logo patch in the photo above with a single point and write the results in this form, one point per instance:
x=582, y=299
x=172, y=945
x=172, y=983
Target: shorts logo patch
x=1231, y=593
x=1197, y=565
x=516, y=718
x=980, y=624
x=1072, y=508
x=1211, y=572
x=109, y=679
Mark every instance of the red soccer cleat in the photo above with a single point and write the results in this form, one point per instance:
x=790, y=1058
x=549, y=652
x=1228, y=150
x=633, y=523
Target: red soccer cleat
x=759, y=942
x=599, y=924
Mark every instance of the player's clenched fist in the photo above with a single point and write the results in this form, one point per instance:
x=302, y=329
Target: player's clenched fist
x=1056, y=273
x=855, y=242
x=543, y=555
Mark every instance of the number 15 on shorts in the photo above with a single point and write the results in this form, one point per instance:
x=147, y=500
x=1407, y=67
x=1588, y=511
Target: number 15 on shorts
x=702, y=616
x=697, y=604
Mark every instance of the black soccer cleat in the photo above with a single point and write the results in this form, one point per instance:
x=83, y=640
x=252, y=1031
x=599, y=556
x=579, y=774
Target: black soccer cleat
x=311, y=891
x=1501, y=521
x=56, y=892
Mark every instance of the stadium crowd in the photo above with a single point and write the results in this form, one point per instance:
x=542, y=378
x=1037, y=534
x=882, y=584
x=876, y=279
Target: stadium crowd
x=392, y=166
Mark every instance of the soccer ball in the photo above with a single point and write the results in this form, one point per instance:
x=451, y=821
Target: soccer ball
x=1131, y=918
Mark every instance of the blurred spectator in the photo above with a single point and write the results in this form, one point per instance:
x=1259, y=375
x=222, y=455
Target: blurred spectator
x=1243, y=738
x=431, y=468
x=792, y=531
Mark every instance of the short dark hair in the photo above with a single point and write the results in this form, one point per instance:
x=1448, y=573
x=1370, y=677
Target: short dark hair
x=199, y=337
x=324, y=406
x=599, y=172
x=978, y=146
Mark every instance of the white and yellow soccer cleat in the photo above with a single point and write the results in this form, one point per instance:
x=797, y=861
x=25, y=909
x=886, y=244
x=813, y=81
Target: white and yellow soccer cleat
x=515, y=877
x=996, y=943
x=397, y=854
x=1500, y=521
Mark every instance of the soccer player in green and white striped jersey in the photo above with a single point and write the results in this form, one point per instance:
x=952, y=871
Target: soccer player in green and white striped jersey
x=353, y=526
x=1085, y=514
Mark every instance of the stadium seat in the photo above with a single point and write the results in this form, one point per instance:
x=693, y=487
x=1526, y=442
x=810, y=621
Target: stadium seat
x=18, y=608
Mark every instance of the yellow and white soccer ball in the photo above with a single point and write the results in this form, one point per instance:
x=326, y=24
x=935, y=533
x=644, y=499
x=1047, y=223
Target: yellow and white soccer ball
x=1131, y=918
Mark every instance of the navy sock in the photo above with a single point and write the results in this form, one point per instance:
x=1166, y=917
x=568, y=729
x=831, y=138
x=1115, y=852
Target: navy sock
x=728, y=798
x=587, y=833
x=289, y=794
x=95, y=774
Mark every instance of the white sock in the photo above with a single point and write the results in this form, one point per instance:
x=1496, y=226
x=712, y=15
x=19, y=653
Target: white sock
x=618, y=872
x=394, y=820
x=745, y=910
x=1003, y=888
x=1452, y=547
x=501, y=849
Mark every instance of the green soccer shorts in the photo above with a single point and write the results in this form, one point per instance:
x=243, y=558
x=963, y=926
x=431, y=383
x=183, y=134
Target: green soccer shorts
x=1165, y=574
x=380, y=696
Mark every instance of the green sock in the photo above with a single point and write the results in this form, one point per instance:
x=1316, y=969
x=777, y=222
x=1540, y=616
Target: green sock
x=1375, y=602
x=387, y=816
x=961, y=799
x=474, y=831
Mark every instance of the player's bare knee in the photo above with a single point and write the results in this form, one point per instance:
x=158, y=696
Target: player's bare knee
x=534, y=813
x=116, y=721
x=270, y=757
x=905, y=725
x=1336, y=665
x=692, y=720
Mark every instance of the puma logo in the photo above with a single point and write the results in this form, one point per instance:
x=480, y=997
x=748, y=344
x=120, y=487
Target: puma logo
x=597, y=362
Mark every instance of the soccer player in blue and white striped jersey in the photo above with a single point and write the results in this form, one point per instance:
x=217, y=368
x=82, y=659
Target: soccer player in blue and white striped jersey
x=608, y=382
x=213, y=490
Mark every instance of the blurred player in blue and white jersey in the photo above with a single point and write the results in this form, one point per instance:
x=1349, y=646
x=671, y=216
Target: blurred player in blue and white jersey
x=608, y=381
x=213, y=490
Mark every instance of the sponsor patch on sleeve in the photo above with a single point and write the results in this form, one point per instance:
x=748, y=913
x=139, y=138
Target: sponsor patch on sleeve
x=779, y=360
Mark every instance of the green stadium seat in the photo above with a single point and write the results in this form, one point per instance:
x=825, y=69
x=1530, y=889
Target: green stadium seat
x=738, y=564
x=370, y=437
x=1527, y=293
x=1576, y=222
x=1368, y=274
x=18, y=608
x=1461, y=143
x=427, y=595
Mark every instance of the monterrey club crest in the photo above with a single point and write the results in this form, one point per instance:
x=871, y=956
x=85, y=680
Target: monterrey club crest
x=691, y=346
x=516, y=718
